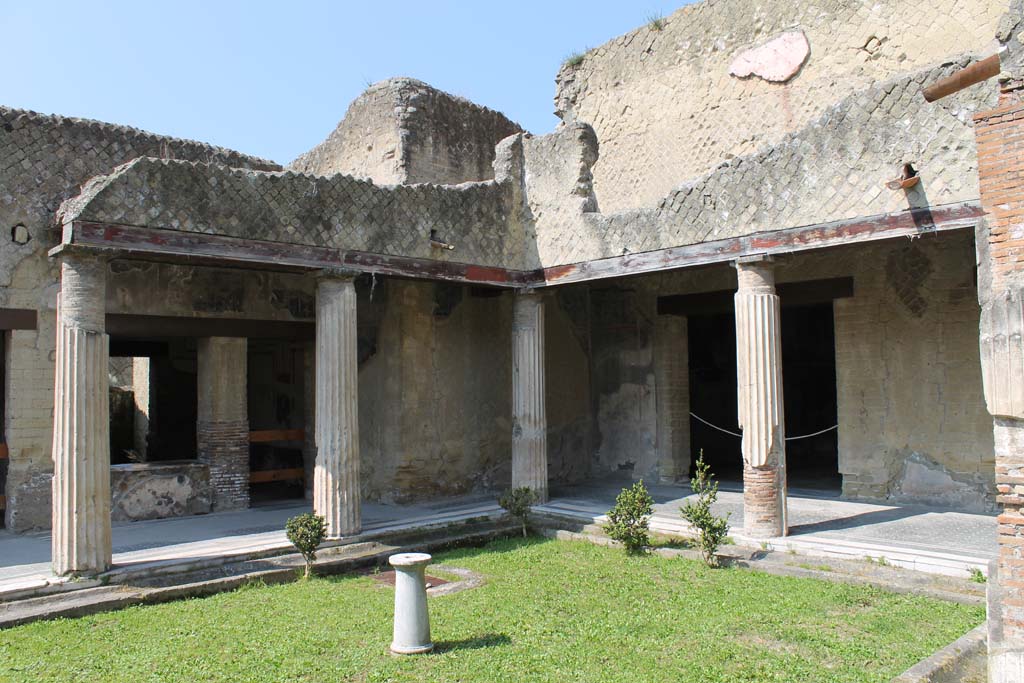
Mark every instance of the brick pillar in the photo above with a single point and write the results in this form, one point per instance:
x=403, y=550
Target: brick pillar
x=1000, y=244
x=529, y=415
x=759, y=387
x=309, y=415
x=81, y=422
x=672, y=384
x=222, y=430
x=336, y=486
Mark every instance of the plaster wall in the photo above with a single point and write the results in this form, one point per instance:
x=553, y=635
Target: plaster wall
x=665, y=107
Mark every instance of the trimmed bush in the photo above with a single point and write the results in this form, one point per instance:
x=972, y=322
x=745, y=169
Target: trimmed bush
x=629, y=521
x=518, y=502
x=306, y=532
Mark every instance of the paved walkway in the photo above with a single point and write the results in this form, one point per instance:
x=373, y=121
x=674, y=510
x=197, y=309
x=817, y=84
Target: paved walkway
x=936, y=540
x=25, y=559
x=928, y=539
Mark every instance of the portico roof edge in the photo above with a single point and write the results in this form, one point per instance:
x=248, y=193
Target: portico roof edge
x=147, y=243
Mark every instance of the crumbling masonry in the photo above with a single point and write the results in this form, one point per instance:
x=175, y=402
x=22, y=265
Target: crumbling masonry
x=749, y=218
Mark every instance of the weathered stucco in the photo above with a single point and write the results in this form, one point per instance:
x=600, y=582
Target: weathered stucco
x=403, y=131
x=666, y=109
x=159, y=490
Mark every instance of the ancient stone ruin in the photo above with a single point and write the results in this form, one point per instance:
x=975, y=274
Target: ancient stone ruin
x=434, y=302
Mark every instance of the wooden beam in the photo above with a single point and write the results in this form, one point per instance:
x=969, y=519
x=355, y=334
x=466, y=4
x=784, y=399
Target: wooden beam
x=909, y=223
x=4, y=452
x=270, y=435
x=264, y=476
x=173, y=246
x=169, y=245
x=804, y=293
x=159, y=326
x=17, y=319
x=3, y=502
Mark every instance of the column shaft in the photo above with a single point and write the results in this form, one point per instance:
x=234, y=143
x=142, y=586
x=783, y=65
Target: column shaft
x=672, y=382
x=81, y=423
x=761, y=415
x=336, y=489
x=222, y=430
x=529, y=419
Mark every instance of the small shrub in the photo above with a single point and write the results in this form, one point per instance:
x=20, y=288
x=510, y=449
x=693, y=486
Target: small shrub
x=306, y=532
x=656, y=22
x=978, y=576
x=518, y=502
x=711, y=530
x=629, y=520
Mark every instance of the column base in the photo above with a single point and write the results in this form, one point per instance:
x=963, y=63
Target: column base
x=764, y=501
x=1006, y=666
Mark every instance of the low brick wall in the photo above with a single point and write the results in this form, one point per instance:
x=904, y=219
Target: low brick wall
x=156, y=490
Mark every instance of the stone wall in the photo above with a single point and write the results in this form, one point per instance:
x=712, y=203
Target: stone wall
x=912, y=421
x=434, y=390
x=665, y=107
x=159, y=490
x=402, y=131
x=834, y=168
x=43, y=161
x=338, y=212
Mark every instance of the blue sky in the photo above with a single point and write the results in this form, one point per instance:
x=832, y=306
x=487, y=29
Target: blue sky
x=274, y=78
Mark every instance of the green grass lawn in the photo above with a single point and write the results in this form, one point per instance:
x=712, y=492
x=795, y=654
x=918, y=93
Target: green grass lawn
x=550, y=611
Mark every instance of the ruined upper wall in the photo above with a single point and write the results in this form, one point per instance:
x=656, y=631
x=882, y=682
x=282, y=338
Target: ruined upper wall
x=665, y=107
x=402, y=131
x=834, y=168
x=338, y=212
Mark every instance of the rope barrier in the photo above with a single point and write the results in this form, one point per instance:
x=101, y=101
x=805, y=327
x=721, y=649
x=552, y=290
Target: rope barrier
x=740, y=436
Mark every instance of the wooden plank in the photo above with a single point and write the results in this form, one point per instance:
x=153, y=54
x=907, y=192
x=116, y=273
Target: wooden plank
x=790, y=294
x=264, y=476
x=4, y=453
x=271, y=435
x=158, y=326
x=909, y=223
x=17, y=319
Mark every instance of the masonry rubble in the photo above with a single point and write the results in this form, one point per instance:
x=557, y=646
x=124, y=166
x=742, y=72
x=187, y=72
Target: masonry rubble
x=709, y=227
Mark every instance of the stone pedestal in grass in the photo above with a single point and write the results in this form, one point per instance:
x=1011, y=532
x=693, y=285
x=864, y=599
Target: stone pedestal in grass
x=412, y=621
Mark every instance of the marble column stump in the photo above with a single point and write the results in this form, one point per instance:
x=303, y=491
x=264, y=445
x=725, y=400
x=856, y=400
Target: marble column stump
x=412, y=620
x=760, y=409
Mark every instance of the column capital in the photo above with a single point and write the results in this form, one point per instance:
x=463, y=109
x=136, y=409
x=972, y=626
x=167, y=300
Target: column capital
x=77, y=252
x=755, y=274
x=533, y=292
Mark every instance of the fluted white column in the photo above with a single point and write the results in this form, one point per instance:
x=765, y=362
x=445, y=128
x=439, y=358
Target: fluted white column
x=761, y=415
x=529, y=419
x=336, y=491
x=81, y=422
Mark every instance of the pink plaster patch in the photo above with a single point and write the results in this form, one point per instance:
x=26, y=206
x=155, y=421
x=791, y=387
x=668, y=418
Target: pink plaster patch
x=778, y=60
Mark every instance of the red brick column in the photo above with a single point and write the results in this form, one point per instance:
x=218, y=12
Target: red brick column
x=222, y=430
x=1000, y=243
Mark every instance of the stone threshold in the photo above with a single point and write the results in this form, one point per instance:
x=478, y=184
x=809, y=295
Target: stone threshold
x=203, y=579
x=197, y=556
x=956, y=565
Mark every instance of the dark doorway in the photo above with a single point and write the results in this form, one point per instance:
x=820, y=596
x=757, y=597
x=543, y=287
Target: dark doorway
x=809, y=384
